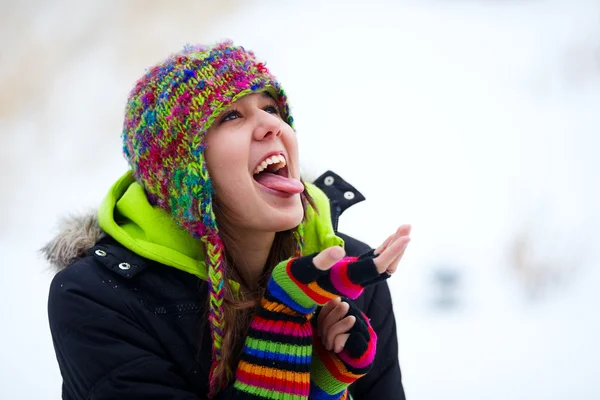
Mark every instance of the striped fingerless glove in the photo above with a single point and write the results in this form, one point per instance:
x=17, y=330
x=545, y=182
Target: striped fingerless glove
x=301, y=284
x=332, y=373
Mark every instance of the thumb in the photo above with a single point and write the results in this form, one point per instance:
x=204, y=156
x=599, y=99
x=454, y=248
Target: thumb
x=328, y=257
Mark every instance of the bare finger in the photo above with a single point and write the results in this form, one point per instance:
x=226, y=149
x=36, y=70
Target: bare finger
x=324, y=312
x=338, y=328
x=385, y=259
x=339, y=342
x=403, y=230
x=385, y=244
x=327, y=308
x=394, y=265
x=335, y=316
x=328, y=257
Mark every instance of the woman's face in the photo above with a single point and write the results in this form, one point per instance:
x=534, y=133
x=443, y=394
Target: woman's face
x=252, y=158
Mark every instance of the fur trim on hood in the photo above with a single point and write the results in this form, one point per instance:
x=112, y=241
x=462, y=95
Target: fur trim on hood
x=77, y=234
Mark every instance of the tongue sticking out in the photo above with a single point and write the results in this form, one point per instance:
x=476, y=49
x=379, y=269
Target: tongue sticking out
x=279, y=183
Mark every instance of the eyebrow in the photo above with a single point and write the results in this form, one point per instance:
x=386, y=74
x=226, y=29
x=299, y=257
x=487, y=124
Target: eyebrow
x=267, y=95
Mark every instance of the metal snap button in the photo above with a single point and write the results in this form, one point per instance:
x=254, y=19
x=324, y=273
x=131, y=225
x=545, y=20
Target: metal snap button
x=124, y=266
x=100, y=253
x=348, y=195
x=329, y=180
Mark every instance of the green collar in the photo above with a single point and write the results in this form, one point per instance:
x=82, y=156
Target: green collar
x=128, y=217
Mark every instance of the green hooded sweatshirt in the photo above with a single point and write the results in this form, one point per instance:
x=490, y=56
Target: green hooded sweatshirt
x=127, y=216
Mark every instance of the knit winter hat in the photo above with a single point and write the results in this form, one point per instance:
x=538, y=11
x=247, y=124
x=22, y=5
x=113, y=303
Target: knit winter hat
x=167, y=116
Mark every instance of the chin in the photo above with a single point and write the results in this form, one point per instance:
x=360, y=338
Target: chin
x=286, y=220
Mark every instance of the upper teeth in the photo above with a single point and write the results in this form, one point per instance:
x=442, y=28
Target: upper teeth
x=278, y=160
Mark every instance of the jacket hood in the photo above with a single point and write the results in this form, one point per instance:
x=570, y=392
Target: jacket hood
x=128, y=217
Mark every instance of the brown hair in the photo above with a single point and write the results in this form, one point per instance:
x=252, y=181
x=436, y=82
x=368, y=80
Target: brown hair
x=239, y=307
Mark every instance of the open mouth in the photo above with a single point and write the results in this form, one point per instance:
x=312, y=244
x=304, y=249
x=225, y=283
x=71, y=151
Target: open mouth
x=273, y=165
x=273, y=175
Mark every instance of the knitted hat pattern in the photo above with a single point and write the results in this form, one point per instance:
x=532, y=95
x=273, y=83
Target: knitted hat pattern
x=167, y=117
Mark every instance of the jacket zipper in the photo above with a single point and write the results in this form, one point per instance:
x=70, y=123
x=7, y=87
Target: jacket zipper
x=336, y=216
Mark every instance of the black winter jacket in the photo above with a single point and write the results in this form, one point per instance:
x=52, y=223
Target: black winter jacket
x=125, y=327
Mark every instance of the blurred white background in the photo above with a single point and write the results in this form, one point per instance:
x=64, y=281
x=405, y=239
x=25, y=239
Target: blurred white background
x=476, y=121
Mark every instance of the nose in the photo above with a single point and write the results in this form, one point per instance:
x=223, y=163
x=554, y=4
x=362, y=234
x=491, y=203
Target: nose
x=267, y=127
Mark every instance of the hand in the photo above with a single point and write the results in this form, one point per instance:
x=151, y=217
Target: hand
x=389, y=254
x=304, y=282
x=344, y=346
x=333, y=325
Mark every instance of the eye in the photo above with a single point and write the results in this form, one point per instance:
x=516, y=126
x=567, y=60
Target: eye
x=230, y=115
x=271, y=109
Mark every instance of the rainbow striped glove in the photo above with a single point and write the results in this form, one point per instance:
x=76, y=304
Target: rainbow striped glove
x=332, y=373
x=277, y=355
x=301, y=285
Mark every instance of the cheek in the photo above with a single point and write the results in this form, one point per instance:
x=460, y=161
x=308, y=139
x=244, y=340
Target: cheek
x=225, y=160
x=291, y=144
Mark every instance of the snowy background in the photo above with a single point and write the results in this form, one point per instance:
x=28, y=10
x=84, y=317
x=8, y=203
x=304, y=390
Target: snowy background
x=476, y=121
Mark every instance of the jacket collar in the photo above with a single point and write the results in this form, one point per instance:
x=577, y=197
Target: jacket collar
x=149, y=232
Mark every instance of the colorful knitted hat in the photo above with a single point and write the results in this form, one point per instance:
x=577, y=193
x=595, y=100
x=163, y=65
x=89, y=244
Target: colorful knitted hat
x=167, y=116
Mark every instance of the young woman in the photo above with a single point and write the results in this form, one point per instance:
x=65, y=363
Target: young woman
x=211, y=270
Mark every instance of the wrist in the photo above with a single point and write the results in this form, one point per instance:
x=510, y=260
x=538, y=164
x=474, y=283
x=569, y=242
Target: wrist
x=284, y=288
